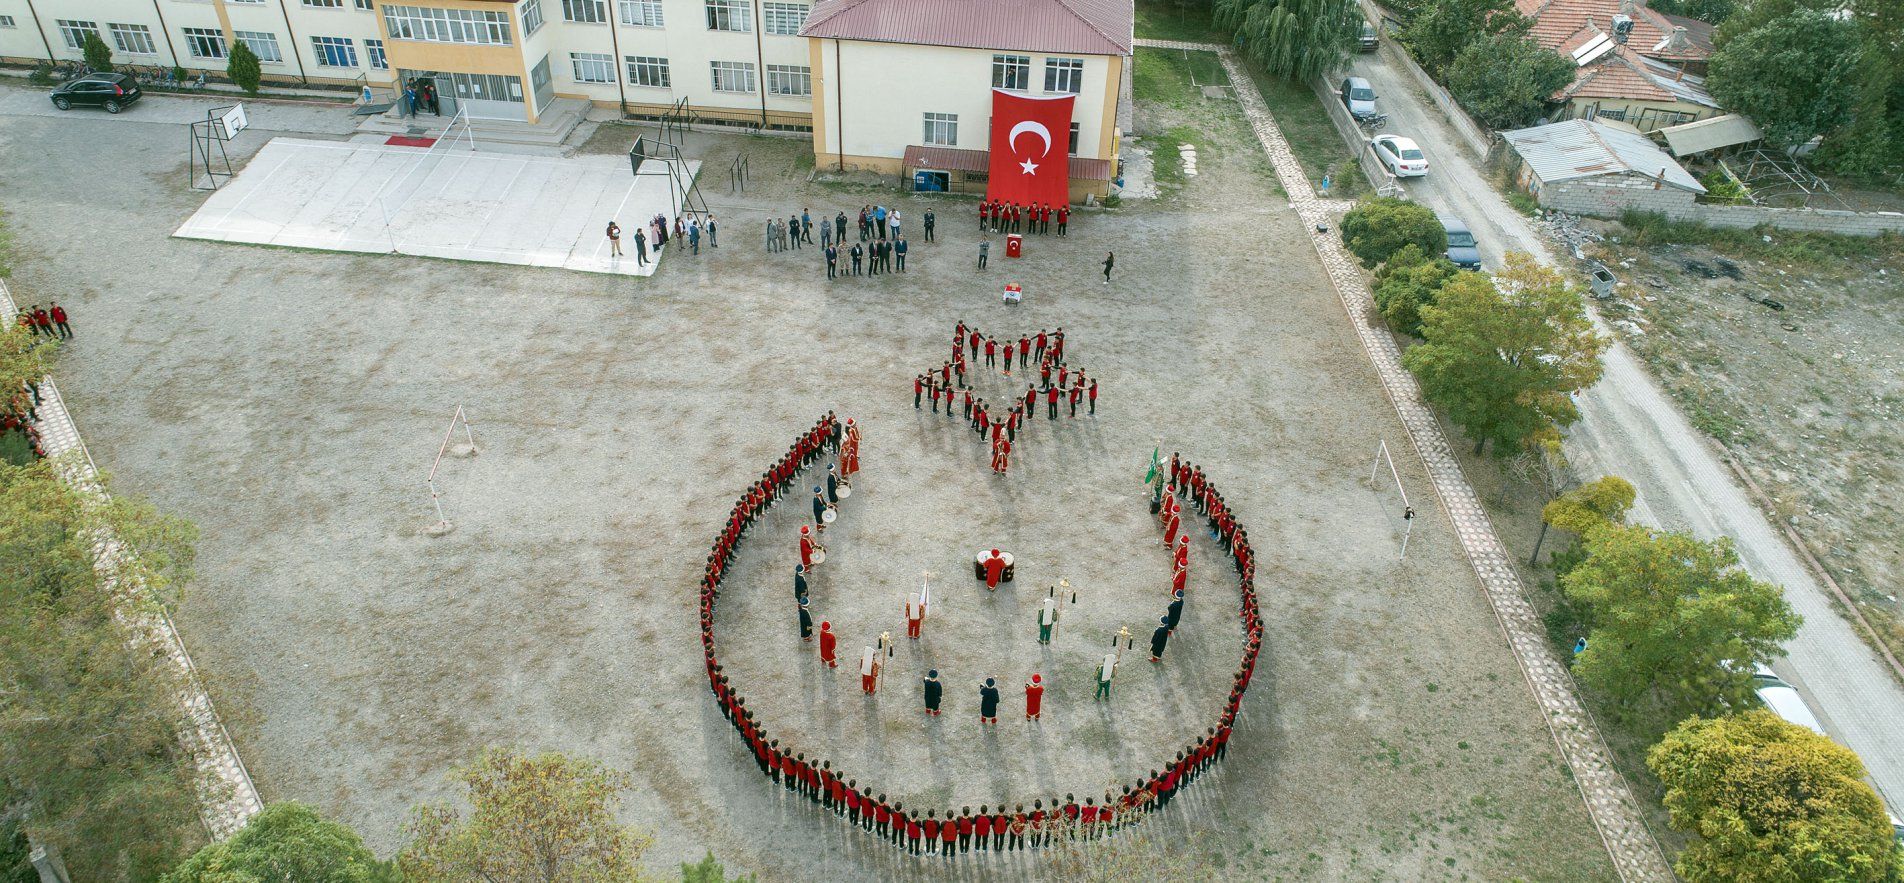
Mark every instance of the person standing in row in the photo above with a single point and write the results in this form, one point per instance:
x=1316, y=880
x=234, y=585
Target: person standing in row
x=1064, y=216
x=65, y=332
x=857, y=254
x=806, y=623
x=1034, y=697
x=899, y=248
x=832, y=260
x=826, y=235
x=806, y=226
x=988, y=702
x=1159, y=639
x=934, y=692
x=828, y=643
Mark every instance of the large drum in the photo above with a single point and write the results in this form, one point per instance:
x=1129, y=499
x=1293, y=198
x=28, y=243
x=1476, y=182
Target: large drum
x=978, y=565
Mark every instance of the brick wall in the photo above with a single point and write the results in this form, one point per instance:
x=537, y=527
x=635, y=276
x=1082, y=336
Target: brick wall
x=1609, y=195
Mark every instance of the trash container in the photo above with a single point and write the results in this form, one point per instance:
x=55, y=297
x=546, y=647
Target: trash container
x=1014, y=244
x=1601, y=280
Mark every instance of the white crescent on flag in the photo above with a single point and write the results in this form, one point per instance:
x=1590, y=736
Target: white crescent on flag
x=1030, y=126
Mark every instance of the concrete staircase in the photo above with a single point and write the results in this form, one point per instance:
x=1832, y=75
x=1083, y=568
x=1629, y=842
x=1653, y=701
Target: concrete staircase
x=557, y=123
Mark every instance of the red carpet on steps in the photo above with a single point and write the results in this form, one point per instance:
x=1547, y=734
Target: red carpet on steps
x=410, y=141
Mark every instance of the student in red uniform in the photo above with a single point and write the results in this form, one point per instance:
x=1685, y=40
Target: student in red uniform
x=914, y=832
x=948, y=836
x=982, y=829
x=828, y=643
x=1034, y=697
x=931, y=831
x=1064, y=216
x=1020, y=826
x=1092, y=392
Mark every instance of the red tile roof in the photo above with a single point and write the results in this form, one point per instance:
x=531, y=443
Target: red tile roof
x=1626, y=74
x=1081, y=27
x=1563, y=25
x=956, y=159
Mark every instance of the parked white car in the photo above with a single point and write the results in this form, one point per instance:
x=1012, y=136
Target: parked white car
x=1402, y=156
x=1783, y=699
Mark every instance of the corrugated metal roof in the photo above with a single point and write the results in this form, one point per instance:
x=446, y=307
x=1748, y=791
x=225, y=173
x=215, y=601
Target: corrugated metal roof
x=1081, y=27
x=1577, y=149
x=1710, y=134
x=1626, y=74
x=957, y=159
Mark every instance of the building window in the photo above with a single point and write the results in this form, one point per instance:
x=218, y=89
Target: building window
x=1074, y=139
x=252, y=2
x=591, y=12
x=263, y=44
x=733, y=76
x=430, y=25
x=592, y=67
x=74, y=32
x=363, y=5
x=531, y=13
x=205, y=42
x=647, y=70
x=334, y=52
x=642, y=13
x=1011, y=71
x=6, y=21
x=730, y=15
x=787, y=79
x=324, y=4
x=133, y=39
x=784, y=19
x=373, y=53
x=942, y=128
x=1064, y=75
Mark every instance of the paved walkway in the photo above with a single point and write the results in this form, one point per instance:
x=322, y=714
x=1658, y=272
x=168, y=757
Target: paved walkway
x=228, y=798
x=1636, y=855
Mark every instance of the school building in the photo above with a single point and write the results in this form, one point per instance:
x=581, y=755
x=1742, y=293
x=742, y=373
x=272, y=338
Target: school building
x=879, y=83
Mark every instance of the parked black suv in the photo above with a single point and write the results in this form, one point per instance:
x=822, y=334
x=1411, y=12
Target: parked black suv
x=113, y=92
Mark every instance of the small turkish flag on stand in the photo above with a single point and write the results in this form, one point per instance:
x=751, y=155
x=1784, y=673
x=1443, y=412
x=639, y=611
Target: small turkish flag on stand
x=1031, y=137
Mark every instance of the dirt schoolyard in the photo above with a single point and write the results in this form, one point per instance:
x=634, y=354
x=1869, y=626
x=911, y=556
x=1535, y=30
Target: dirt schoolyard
x=290, y=403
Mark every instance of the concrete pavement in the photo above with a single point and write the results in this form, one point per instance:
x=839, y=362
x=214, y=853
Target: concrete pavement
x=1630, y=428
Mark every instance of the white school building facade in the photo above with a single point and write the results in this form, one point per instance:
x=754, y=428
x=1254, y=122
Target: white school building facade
x=870, y=79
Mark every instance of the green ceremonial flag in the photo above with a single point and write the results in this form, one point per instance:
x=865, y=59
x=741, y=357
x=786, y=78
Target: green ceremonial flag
x=1152, y=474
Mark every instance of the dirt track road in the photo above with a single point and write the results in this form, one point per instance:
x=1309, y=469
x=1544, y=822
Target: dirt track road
x=1631, y=429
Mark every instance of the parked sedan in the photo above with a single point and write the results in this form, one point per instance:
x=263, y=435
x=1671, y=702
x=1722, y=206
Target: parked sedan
x=1401, y=155
x=114, y=92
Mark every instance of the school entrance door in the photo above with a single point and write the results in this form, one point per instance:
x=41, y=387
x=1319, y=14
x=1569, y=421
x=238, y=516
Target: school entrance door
x=485, y=96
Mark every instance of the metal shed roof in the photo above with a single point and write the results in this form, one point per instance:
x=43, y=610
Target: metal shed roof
x=1710, y=134
x=1083, y=27
x=1576, y=149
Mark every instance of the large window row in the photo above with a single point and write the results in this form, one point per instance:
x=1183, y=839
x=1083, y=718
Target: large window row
x=733, y=76
x=784, y=19
x=431, y=25
x=1061, y=74
x=133, y=39
x=790, y=80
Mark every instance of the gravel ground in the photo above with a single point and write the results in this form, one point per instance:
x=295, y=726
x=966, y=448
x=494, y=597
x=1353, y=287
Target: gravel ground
x=290, y=403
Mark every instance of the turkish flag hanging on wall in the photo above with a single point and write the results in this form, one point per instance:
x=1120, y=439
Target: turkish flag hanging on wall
x=1031, y=143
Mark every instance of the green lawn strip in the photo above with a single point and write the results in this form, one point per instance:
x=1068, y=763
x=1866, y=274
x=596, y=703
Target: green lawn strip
x=1313, y=137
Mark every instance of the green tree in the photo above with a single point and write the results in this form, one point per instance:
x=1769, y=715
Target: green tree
x=1445, y=27
x=707, y=870
x=1375, y=230
x=1871, y=146
x=1583, y=509
x=98, y=55
x=1298, y=40
x=88, y=726
x=1770, y=802
x=243, y=68
x=1709, y=11
x=1795, y=76
x=1506, y=80
x=1406, y=282
x=1502, y=356
x=1673, y=618
x=546, y=818
x=286, y=843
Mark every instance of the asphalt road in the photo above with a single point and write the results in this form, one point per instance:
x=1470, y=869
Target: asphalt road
x=1630, y=428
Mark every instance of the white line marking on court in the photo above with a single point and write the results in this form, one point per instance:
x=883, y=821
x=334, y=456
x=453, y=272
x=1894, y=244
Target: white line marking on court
x=496, y=204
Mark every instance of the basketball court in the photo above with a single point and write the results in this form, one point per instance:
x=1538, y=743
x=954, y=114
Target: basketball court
x=447, y=200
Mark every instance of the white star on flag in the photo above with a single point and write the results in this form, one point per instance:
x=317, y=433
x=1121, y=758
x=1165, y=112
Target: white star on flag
x=1031, y=168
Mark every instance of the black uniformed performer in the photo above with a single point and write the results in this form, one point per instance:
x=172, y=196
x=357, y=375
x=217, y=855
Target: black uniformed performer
x=935, y=689
x=1158, y=639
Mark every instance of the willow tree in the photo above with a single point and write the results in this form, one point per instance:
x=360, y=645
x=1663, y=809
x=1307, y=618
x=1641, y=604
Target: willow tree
x=1297, y=39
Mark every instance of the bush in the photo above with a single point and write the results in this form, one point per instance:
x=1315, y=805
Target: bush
x=244, y=69
x=98, y=54
x=1723, y=188
x=1407, y=282
x=1377, y=229
x=42, y=75
x=287, y=841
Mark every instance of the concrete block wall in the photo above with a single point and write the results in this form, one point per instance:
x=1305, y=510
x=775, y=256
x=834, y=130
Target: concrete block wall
x=1609, y=195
